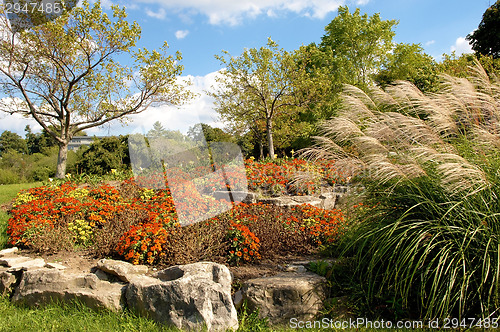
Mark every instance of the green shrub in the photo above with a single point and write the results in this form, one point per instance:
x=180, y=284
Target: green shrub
x=429, y=234
x=8, y=176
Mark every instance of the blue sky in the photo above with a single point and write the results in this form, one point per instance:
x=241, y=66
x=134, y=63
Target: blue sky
x=202, y=28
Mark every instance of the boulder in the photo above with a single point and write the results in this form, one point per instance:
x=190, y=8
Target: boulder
x=285, y=296
x=16, y=263
x=43, y=286
x=123, y=270
x=189, y=297
x=328, y=201
x=13, y=260
x=8, y=251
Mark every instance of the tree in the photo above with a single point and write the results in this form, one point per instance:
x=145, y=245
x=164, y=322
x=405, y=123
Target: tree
x=408, y=62
x=157, y=131
x=485, y=39
x=64, y=73
x=12, y=141
x=262, y=85
x=459, y=66
x=202, y=132
x=103, y=155
x=356, y=45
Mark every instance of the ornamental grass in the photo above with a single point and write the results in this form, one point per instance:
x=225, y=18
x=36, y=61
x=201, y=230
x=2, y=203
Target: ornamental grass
x=429, y=165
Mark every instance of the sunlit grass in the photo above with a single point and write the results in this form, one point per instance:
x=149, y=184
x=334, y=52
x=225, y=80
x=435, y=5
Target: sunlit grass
x=9, y=191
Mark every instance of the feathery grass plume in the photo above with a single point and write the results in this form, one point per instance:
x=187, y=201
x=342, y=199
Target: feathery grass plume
x=429, y=165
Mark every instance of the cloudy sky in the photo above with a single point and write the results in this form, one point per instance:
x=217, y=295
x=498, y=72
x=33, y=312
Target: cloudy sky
x=202, y=28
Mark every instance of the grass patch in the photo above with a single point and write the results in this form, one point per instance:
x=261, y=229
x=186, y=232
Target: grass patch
x=9, y=191
x=75, y=317
x=4, y=217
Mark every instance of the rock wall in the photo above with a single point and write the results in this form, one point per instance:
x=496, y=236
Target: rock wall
x=191, y=297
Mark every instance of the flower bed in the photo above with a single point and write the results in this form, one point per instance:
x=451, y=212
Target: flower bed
x=141, y=225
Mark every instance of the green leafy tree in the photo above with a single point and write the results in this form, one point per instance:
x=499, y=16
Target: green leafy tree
x=460, y=66
x=485, y=39
x=12, y=141
x=64, y=73
x=408, y=62
x=262, y=85
x=103, y=155
x=203, y=132
x=356, y=45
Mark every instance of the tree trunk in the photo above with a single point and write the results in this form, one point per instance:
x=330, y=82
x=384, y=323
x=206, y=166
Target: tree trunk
x=62, y=158
x=269, y=129
x=261, y=150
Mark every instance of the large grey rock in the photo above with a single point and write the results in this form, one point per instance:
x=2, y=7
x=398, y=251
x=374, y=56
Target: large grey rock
x=42, y=286
x=123, y=270
x=10, y=261
x=285, y=296
x=189, y=296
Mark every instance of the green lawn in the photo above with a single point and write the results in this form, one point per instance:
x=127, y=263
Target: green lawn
x=9, y=191
x=70, y=318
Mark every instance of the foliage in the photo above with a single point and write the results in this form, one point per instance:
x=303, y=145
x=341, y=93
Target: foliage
x=429, y=165
x=8, y=176
x=12, y=141
x=262, y=86
x=201, y=132
x=28, y=168
x=103, y=155
x=250, y=321
x=458, y=66
x=408, y=62
x=38, y=143
x=484, y=39
x=356, y=45
x=63, y=73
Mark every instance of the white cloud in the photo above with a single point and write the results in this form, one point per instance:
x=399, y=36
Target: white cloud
x=232, y=12
x=159, y=14
x=180, y=34
x=430, y=42
x=16, y=123
x=180, y=118
x=461, y=46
